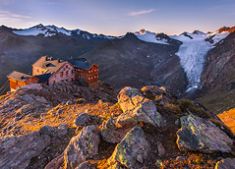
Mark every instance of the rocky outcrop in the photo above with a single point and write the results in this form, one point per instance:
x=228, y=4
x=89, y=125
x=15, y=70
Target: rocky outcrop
x=136, y=108
x=17, y=152
x=132, y=151
x=85, y=119
x=82, y=147
x=228, y=163
x=197, y=134
x=133, y=133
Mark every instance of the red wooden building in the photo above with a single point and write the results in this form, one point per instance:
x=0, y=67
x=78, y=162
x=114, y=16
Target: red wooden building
x=48, y=70
x=85, y=72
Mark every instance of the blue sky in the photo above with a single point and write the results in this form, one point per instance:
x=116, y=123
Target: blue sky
x=116, y=17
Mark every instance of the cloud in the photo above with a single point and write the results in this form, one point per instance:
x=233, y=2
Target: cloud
x=141, y=12
x=10, y=16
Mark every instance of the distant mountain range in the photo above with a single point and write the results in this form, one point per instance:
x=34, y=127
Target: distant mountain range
x=186, y=63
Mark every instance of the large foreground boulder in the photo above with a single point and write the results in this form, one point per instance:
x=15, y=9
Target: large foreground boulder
x=18, y=151
x=228, y=163
x=136, y=108
x=132, y=151
x=197, y=134
x=82, y=147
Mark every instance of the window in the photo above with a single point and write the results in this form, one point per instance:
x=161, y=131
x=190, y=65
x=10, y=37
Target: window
x=61, y=74
x=66, y=73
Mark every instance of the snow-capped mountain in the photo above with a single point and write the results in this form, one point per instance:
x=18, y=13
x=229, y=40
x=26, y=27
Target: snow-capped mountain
x=52, y=30
x=40, y=29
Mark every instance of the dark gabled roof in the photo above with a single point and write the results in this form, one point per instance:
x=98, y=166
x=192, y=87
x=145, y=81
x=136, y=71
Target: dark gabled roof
x=43, y=78
x=18, y=76
x=80, y=63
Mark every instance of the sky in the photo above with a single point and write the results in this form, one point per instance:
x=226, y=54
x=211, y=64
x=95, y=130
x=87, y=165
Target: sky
x=116, y=17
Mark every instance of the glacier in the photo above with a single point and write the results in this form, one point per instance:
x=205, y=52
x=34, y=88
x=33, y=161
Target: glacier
x=193, y=51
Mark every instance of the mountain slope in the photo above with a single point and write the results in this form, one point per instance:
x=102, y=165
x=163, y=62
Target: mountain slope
x=218, y=77
x=130, y=61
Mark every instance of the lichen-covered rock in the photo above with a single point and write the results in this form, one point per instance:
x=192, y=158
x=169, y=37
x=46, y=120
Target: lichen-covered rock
x=136, y=108
x=82, y=147
x=132, y=151
x=85, y=119
x=201, y=135
x=228, y=163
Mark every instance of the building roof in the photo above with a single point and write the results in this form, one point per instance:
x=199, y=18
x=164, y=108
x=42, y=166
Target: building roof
x=19, y=76
x=50, y=64
x=80, y=63
x=43, y=78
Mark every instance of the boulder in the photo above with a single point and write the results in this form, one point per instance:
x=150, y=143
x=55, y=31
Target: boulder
x=132, y=151
x=18, y=151
x=136, y=108
x=228, y=163
x=82, y=147
x=110, y=133
x=198, y=134
x=85, y=119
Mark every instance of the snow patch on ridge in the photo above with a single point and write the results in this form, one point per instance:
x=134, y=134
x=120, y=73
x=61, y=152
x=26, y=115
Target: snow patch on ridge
x=192, y=54
x=147, y=36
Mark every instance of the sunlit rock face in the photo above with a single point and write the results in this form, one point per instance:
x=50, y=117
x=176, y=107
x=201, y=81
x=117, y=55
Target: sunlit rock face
x=227, y=117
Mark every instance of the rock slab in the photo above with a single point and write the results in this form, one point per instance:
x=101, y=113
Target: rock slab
x=197, y=134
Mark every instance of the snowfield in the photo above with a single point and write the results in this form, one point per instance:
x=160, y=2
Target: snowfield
x=151, y=37
x=192, y=54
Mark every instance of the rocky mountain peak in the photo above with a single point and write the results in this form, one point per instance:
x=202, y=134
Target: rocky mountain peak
x=227, y=29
